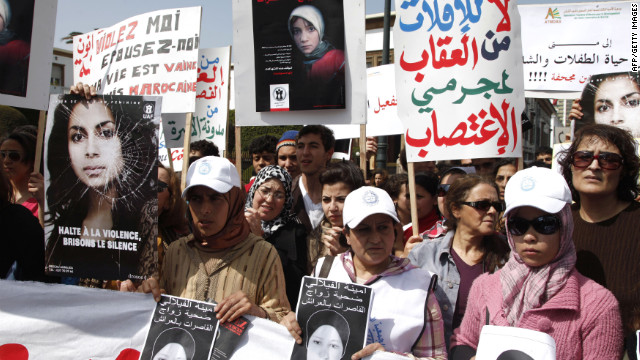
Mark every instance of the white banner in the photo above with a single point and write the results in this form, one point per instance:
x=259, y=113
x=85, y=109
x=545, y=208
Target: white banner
x=244, y=73
x=459, y=78
x=564, y=44
x=25, y=59
x=212, y=97
x=150, y=54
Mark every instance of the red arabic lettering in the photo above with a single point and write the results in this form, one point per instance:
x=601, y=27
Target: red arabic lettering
x=416, y=66
x=505, y=23
x=458, y=56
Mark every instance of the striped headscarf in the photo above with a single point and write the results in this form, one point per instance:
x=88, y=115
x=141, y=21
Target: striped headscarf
x=286, y=215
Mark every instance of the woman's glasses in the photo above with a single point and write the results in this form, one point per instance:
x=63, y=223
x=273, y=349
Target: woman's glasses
x=545, y=224
x=162, y=186
x=443, y=189
x=485, y=205
x=12, y=154
x=267, y=193
x=606, y=160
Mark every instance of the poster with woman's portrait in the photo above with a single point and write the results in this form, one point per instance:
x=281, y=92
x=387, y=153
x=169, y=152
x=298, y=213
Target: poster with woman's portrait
x=334, y=317
x=613, y=99
x=299, y=54
x=16, y=20
x=101, y=185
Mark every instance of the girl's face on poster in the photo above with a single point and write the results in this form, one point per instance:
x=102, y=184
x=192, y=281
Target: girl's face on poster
x=324, y=343
x=269, y=199
x=305, y=35
x=617, y=102
x=171, y=351
x=95, y=150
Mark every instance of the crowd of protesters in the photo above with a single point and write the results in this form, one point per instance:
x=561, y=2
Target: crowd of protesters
x=546, y=250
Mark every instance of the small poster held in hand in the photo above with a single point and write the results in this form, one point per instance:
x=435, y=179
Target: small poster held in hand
x=180, y=329
x=333, y=316
x=227, y=338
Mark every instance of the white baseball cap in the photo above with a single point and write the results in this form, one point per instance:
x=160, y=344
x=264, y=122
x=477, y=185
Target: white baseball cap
x=364, y=202
x=213, y=172
x=541, y=188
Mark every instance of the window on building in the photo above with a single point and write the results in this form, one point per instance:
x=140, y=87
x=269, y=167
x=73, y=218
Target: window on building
x=57, y=75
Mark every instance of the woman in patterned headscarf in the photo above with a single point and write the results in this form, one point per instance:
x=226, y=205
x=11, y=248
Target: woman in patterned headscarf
x=268, y=211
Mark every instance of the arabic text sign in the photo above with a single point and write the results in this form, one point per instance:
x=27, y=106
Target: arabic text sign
x=459, y=78
x=149, y=54
x=565, y=44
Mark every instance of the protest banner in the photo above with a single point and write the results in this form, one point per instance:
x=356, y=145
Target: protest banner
x=332, y=315
x=459, y=79
x=101, y=186
x=180, y=326
x=150, y=54
x=245, y=66
x=164, y=151
x=507, y=342
x=212, y=97
x=45, y=321
x=299, y=55
x=26, y=46
x=567, y=43
x=382, y=114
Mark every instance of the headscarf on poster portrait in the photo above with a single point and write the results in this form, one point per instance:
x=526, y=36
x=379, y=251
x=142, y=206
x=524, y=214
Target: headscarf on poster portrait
x=129, y=182
x=613, y=99
x=5, y=13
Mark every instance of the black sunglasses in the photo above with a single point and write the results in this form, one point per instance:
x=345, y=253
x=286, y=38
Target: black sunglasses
x=545, y=224
x=162, y=186
x=443, y=189
x=485, y=205
x=606, y=160
x=12, y=154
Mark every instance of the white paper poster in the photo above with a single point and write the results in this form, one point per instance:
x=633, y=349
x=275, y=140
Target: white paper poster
x=150, y=54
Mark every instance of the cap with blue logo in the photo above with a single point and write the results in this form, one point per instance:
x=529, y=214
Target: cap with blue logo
x=364, y=202
x=540, y=188
x=213, y=172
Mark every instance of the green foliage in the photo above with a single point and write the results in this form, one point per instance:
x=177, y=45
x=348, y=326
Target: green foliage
x=11, y=117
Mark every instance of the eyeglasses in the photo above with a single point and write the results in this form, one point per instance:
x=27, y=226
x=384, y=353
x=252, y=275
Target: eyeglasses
x=545, y=224
x=485, y=205
x=267, y=193
x=162, y=186
x=606, y=160
x=12, y=154
x=443, y=189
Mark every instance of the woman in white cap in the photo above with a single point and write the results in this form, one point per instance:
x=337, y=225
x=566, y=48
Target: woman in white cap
x=539, y=287
x=404, y=311
x=323, y=62
x=221, y=261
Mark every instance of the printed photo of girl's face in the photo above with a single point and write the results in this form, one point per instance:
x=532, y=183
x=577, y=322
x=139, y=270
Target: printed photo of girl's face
x=324, y=343
x=305, y=35
x=171, y=351
x=95, y=150
x=617, y=102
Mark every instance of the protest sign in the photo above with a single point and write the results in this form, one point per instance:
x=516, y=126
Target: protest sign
x=567, y=43
x=101, y=186
x=212, y=97
x=382, y=114
x=164, y=151
x=459, y=78
x=26, y=45
x=180, y=326
x=332, y=315
x=46, y=321
x=245, y=66
x=299, y=55
x=506, y=342
x=150, y=54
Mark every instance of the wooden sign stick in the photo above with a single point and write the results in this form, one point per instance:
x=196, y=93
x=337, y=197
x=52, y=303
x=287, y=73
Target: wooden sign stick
x=185, y=154
x=412, y=199
x=363, y=150
x=42, y=121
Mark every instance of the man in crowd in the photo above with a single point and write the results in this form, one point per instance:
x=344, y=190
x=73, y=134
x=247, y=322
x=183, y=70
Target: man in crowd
x=203, y=148
x=286, y=153
x=314, y=147
x=263, y=153
x=544, y=154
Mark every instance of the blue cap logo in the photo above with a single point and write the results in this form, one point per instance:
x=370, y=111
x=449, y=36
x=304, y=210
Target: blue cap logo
x=370, y=198
x=204, y=168
x=528, y=183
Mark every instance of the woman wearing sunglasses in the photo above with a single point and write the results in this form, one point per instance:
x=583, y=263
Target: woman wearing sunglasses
x=539, y=287
x=601, y=167
x=268, y=211
x=468, y=249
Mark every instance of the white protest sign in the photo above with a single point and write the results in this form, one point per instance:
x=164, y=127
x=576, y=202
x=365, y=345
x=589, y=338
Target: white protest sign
x=527, y=344
x=176, y=152
x=25, y=58
x=212, y=97
x=149, y=54
x=459, y=78
x=244, y=73
x=566, y=43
